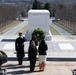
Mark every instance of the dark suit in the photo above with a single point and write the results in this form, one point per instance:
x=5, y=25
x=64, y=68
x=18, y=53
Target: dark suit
x=19, y=46
x=42, y=48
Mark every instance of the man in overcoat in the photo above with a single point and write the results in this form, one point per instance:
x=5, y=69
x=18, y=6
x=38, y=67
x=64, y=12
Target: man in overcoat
x=19, y=47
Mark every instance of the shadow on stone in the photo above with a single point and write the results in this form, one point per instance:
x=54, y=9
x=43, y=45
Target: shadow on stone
x=8, y=40
x=19, y=72
x=11, y=66
x=61, y=59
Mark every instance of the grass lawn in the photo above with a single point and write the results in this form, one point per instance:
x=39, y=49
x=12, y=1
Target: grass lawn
x=68, y=30
x=53, y=31
x=23, y=30
x=10, y=26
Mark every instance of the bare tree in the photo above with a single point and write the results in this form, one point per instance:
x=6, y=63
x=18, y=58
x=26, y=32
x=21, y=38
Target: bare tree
x=67, y=15
x=8, y=13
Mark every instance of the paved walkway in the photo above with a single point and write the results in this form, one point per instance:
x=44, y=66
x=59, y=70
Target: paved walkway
x=56, y=49
x=61, y=56
x=52, y=68
x=58, y=29
x=15, y=29
x=61, y=59
x=20, y=26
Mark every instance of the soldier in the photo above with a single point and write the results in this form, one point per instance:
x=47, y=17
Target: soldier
x=19, y=47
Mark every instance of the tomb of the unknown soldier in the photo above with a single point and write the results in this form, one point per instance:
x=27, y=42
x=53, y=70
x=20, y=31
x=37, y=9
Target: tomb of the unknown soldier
x=38, y=19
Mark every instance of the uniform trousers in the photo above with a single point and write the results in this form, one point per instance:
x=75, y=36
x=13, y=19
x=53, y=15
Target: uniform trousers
x=20, y=60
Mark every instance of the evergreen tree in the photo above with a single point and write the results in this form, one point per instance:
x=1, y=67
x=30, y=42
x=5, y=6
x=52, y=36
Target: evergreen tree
x=48, y=7
x=36, y=5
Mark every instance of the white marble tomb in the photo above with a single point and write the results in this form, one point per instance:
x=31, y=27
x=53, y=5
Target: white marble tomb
x=38, y=19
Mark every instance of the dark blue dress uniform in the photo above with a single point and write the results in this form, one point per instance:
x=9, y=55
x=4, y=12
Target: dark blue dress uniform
x=19, y=46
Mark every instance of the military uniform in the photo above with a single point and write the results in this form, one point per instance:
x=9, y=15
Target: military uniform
x=19, y=46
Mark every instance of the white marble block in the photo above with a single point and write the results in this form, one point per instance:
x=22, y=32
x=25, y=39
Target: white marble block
x=38, y=19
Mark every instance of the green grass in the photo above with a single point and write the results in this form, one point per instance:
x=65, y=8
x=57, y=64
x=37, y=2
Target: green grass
x=53, y=31
x=10, y=26
x=23, y=30
x=65, y=28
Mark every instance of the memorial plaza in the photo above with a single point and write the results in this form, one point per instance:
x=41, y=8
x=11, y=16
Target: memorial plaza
x=61, y=54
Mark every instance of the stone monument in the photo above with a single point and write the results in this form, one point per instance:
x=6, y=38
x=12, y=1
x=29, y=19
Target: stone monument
x=38, y=19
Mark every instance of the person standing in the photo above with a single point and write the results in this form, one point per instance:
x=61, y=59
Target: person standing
x=42, y=53
x=32, y=53
x=35, y=40
x=19, y=47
